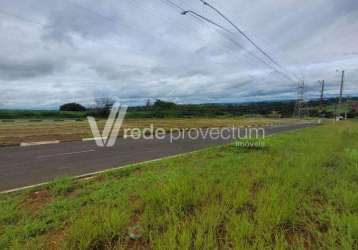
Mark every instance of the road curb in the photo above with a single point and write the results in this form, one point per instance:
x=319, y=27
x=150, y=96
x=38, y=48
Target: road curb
x=28, y=144
x=94, y=139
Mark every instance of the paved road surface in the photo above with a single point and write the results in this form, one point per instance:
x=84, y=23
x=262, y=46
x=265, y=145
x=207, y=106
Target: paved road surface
x=23, y=166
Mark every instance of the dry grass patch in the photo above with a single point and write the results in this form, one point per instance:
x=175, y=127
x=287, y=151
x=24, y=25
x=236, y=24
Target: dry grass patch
x=25, y=131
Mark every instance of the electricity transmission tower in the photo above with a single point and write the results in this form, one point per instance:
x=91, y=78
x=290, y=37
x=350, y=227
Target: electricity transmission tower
x=301, y=105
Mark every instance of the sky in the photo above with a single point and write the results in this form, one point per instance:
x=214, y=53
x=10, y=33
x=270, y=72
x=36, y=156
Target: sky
x=60, y=51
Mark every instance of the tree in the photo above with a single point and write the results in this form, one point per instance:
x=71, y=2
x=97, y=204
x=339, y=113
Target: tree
x=162, y=105
x=74, y=107
x=103, y=106
x=104, y=102
x=148, y=104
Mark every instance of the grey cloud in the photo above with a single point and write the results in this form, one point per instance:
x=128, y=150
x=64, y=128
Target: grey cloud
x=146, y=49
x=14, y=70
x=118, y=72
x=71, y=17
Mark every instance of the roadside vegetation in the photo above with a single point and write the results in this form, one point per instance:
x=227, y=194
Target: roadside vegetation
x=12, y=133
x=9, y=115
x=299, y=192
x=329, y=108
x=163, y=109
x=69, y=123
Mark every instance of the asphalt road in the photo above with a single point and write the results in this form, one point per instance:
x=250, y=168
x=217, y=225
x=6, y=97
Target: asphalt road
x=23, y=166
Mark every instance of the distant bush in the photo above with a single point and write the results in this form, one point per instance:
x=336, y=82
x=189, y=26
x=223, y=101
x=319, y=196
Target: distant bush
x=74, y=107
x=327, y=114
x=162, y=105
x=315, y=113
x=352, y=114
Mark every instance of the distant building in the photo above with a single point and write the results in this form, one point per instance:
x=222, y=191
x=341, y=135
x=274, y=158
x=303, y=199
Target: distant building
x=355, y=107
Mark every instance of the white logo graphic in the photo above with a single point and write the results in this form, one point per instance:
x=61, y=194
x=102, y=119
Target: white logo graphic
x=111, y=128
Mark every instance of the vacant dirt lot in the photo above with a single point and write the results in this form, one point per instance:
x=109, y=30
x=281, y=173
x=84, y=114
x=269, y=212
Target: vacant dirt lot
x=32, y=131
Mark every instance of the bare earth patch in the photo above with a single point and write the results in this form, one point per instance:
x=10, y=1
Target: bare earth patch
x=37, y=200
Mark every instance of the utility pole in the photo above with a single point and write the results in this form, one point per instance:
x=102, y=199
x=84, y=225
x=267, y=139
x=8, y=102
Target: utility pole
x=322, y=95
x=340, y=96
x=341, y=91
x=335, y=109
x=301, y=109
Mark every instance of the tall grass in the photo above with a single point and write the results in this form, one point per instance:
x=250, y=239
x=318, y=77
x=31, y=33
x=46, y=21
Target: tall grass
x=299, y=193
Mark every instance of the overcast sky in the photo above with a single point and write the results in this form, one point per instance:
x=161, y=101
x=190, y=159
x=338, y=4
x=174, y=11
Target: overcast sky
x=59, y=51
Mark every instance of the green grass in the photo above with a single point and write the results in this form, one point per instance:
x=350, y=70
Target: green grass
x=40, y=114
x=300, y=192
x=345, y=107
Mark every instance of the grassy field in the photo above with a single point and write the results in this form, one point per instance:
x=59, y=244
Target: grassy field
x=300, y=192
x=345, y=107
x=40, y=114
x=32, y=131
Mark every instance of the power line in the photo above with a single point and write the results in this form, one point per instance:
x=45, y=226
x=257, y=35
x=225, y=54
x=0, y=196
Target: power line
x=21, y=17
x=173, y=4
x=127, y=26
x=235, y=42
x=280, y=53
x=196, y=15
x=153, y=11
x=245, y=35
x=180, y=8
x=31, y=21
x=177, y=7
x=95, y=13
x=75, y=5
x=201, y=18
x=184, y=28
x=92, y=11
x=113, y=20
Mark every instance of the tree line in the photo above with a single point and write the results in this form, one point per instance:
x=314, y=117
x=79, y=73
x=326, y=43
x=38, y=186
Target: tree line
x=162, y=109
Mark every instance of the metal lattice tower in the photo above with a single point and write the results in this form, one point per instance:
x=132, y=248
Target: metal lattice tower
x=301, y=110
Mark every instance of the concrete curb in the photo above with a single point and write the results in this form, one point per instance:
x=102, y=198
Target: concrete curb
x=94, y=139
x=28, y=144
